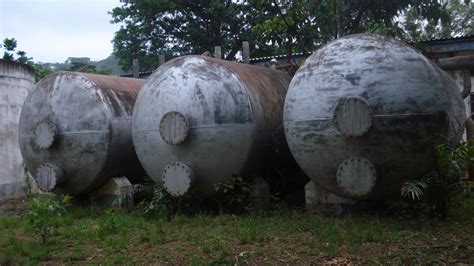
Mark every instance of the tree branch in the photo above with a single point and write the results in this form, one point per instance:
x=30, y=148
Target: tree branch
x=355, y=24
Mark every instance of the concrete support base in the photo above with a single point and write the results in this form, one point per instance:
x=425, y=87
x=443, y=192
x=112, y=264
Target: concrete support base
x=117, y=192
x=260, y=194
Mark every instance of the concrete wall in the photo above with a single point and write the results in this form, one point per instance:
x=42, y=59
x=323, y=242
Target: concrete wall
x=458, y=78
x=16, y=81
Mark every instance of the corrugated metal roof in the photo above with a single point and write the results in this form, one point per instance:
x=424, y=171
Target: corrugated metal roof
x=142, y=73
x=424, y=41
x=465, y=37
x=280, y=56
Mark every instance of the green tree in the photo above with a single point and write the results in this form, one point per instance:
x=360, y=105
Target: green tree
x=304, y=25
x=41, y=72
x=291, y=25
x=176, y=28
x=459, y=20
x=88, y=68
x=22, y=58
x=272, y=26
x=9, y=45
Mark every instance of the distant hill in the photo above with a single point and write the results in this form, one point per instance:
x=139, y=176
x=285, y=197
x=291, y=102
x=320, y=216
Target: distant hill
x=109, y=63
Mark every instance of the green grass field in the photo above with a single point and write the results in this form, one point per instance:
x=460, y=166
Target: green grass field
x=92, y=235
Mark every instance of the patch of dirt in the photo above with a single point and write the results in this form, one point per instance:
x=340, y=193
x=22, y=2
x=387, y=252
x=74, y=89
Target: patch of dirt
x=13, y=207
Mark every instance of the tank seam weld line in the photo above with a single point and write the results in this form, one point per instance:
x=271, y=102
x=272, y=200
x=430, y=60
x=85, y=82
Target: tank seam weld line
x=203, y=126
x=326, y=118
x=72, y=132
x=82, y=132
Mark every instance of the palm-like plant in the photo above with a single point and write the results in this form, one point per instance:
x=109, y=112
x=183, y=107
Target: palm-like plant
x=445, y=181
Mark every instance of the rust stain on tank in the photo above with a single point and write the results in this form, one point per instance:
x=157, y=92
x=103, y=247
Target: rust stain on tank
x=125, y=89
x=267, y=85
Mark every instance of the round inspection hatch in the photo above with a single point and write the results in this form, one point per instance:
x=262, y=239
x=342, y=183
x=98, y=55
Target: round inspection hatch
x=356, y=176
x=48, y=176
x=174, y=128
x=44, y=134
x=353, y=116
x=177, y=178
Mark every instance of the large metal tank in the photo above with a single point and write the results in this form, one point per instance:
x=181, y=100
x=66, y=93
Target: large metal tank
x=16, y=81
x=198, y=121
x=76, y=133
x=364, y=113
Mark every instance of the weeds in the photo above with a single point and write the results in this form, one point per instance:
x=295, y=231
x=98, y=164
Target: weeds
x=289, y=237
x=155, y=202
x=45, y=214
x=233, y=196
x=444, y=183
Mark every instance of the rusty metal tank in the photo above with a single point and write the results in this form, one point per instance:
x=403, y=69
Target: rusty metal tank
x=364, y=112
x=75, y=131
x=198, y=121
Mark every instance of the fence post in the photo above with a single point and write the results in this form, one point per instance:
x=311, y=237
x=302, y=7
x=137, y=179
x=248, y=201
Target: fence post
x=136, y=68
x=246, y=52
x=217, y=52
x=161, y=59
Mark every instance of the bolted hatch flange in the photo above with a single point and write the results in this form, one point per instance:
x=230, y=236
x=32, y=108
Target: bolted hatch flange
x=353, y=116
x=174, y=128
x=48, y=176
x=356, y=176
x=44, y=134
x=177, y=178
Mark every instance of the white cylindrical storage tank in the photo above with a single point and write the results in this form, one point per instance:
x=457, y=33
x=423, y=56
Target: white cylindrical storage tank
x=364, y=113
x=76, y=131
x=198, y=121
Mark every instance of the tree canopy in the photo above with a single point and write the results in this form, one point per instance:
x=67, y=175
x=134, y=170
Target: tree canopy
x=9, y=47
x=174, y=27
x=178, y=27
x=460, y=21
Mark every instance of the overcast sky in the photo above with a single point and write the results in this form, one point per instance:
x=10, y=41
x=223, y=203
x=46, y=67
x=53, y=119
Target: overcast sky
x=53, y=30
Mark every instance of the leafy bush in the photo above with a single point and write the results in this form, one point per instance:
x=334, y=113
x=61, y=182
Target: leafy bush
x=45, y=214
x=233, y=196
x=156, y=202
x=444, y=183
x=152, y=199
x=160, y=204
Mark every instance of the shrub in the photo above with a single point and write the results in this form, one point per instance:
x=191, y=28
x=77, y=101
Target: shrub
x=444, y=183
x=233, y=196
x=45, y=214
x=152, y=199
x=160, y=204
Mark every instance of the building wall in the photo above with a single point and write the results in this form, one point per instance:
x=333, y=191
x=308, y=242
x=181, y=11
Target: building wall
x=458, y=78
x=16, y=81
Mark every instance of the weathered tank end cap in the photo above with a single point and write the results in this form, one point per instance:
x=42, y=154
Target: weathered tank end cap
x=353, y=116
x=177, y=178
x=356, y=176
x=48, y=176
x=44, y=133
x=174, y=127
